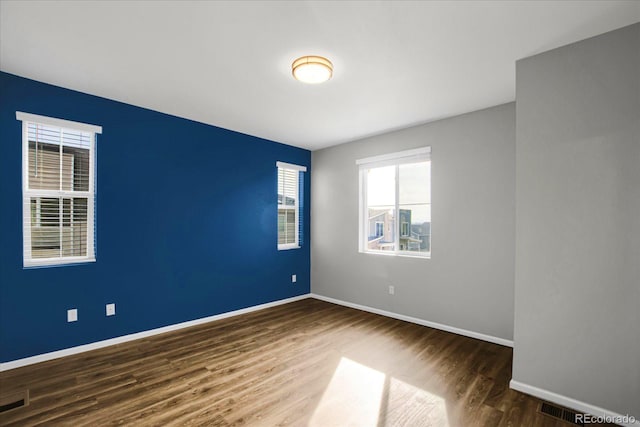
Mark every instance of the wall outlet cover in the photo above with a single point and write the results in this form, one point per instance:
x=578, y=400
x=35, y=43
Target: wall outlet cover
x=294, y=278
x=72, y=315
x=111, y=309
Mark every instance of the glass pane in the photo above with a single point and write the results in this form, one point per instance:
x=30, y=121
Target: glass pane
x=74, y=227
x=281, y=226
x=44, y=134
x=45, y=169
x=76, y=138
x=49, y=211
x=415, y=228
x=291, y=226
x=48, y=239
x=286, y=226
x=75, y=169
x=45, y=227
x=287, y=186
x=415, y=183
x=47, y=134
x=381, y=199
x=381, y=228
x=381, y=186
x=44, y=166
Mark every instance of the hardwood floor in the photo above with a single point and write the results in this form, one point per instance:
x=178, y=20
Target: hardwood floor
x=308, y=363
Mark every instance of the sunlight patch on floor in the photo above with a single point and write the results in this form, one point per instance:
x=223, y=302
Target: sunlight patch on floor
x=359, y=396
x=409, y=406
x=352, y=398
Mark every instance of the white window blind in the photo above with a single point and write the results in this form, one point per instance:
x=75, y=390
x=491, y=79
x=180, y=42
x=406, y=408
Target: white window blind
x=58, y=191
x=290, y=179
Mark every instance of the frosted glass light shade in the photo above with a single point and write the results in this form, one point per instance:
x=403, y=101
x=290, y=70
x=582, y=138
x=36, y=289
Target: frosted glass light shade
x=312, y=69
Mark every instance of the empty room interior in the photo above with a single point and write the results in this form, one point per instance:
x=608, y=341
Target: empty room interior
x=320, y=213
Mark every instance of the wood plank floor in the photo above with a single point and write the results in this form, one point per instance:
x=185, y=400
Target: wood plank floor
x=308, y=363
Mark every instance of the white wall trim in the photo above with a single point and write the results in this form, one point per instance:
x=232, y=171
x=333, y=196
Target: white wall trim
x=144, y=334
x=125, y=338
x=459, y=331
x=571, y=403
x=416, y=152
x=515, y=385
x=291, y=166
x=61, y=123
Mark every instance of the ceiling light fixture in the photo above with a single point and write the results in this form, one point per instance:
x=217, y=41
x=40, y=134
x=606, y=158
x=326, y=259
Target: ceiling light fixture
x=312, y=69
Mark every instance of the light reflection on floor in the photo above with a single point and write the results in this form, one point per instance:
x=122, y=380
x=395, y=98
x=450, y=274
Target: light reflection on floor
x=364, y=397
x=411, y=406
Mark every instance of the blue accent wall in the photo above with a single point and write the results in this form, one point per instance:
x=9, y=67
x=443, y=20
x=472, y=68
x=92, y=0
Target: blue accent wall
x=186, y=225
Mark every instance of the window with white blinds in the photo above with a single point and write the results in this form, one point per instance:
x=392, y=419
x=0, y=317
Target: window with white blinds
x=290, y=205
x=58, y=190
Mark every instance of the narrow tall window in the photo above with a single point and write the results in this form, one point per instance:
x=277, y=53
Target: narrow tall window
x=290, y=205
x=395, y=203
x=58, y=190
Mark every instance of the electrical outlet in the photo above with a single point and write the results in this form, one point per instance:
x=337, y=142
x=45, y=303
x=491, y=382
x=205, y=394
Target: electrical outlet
x=72, y=315
x=111, y=309
x=294, y=279
x=392, y=290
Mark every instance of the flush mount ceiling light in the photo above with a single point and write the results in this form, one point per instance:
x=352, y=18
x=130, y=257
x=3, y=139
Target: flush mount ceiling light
x=312, y=69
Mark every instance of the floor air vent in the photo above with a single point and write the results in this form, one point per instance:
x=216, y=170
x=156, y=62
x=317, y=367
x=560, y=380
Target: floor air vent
x=14, y=400
x=554, y=411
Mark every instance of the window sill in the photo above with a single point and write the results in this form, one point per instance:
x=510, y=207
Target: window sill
x=427, y=255
x=287, y=247
x=57, y=262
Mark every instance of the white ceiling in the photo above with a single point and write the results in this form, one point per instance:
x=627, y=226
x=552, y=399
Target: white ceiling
x=229, y=63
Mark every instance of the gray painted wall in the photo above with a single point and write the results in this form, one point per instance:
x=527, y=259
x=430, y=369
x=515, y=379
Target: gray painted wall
x=577, y=322
x=468, y=283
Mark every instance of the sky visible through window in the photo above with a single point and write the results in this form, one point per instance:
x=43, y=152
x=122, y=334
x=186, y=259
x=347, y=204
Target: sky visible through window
x=415, y=189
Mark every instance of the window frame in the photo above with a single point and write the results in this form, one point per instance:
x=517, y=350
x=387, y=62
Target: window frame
x=27, y=193
x=296, y=208
x=392, y=159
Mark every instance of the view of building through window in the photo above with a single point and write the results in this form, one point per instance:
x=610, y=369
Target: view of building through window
x=290, y=205
x=58, y=191
x=398, y=207
x=287, y=206
x=58, y=185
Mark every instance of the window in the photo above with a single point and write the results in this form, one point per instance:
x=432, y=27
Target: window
x=395, y=203
x=58, y=191
x=379, y=229
x=290, y=205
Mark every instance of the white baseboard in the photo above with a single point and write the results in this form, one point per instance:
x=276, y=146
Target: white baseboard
x=573, y=403
x=459, y=331
x=516, y=385
x=125, y=338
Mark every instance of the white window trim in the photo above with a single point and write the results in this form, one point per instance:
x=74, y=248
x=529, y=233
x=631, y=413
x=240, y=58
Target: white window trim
x=407, y=156
x=52, y=121
x=291, y=166
x=27, y=118
x=287, y=246
x=296, y=245
x=397, y=158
